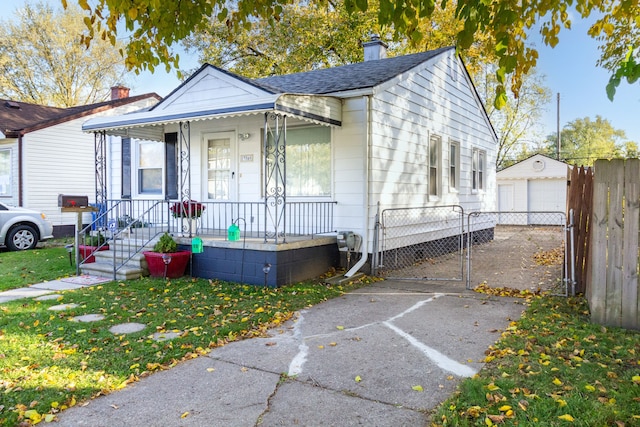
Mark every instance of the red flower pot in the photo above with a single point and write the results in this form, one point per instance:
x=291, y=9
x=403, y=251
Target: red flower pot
x=86, y=250
x=174, y=269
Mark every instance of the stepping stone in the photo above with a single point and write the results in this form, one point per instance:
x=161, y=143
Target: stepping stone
x=165, y=336
x=88, y=318
x=61, y=307
x=127, y=328
x=48, y=297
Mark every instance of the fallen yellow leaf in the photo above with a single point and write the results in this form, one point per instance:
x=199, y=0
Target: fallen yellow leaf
x=556, y=381
x=340, y=327
x=566, y=417
x=417, y=388
x=358, y=379
x=185, y=415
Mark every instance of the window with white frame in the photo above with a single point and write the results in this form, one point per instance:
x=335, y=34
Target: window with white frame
x=5, y=172
x=478, y=166
x=150, y=167
x=308, y=158
x=434, y=165
x=454, y=166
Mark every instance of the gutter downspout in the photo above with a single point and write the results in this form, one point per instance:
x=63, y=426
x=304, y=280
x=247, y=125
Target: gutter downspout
x=20, y=146
x=364, y=247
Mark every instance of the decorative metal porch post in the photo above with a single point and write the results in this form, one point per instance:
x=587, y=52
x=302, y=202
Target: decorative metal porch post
x=275, y=186
x=184, y=173
x=100, y=151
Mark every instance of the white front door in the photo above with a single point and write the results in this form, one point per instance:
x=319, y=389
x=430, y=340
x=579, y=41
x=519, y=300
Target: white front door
x=219, y=168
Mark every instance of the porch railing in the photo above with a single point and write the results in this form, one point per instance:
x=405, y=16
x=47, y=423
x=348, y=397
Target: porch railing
x=139, y=221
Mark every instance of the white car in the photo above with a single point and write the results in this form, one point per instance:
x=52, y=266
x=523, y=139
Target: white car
x=22, y=229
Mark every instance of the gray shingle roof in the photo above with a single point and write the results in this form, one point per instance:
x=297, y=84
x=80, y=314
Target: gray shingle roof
x=360, y=75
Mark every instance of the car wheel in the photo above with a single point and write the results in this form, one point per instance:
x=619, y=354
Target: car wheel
x=22, y=237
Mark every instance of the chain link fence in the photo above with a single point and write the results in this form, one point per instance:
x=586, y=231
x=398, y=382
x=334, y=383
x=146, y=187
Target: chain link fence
x=424, y=243
x=516, y=250
x=525, y=251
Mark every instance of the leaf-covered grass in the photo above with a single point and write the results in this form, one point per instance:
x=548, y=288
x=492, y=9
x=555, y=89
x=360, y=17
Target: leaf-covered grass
x=553, y=368
x=49, y=362
x=24, y=268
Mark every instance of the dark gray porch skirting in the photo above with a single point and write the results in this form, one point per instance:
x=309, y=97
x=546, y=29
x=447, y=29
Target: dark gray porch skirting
x=243, y=261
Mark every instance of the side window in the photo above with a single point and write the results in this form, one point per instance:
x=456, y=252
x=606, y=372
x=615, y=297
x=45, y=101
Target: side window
x=454, y=166
x=478, y=166
x=5, y=172
x=434, y=165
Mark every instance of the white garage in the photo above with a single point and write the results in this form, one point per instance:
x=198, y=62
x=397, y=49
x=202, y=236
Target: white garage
x=537, y=184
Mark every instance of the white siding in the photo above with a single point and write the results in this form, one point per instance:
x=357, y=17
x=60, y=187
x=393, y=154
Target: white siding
x=60, y=159
x=429, y=101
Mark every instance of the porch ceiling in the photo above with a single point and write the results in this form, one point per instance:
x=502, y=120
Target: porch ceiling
x=323, y=110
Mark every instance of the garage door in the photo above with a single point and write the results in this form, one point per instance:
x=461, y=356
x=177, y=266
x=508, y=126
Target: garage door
x=549, y=195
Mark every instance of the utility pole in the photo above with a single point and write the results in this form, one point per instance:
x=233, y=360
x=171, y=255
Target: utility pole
x=558, y=128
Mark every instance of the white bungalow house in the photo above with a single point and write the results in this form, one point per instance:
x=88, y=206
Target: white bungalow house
x=294, y=159
x=44, y=153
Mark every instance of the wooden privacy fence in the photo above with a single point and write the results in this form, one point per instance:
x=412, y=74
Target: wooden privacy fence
x=612, y=272
x=579, y=201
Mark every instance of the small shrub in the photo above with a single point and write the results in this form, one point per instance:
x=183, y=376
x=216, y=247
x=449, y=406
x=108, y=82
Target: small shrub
x=166, y=244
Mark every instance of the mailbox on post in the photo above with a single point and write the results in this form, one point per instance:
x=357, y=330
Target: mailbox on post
x=66, y=201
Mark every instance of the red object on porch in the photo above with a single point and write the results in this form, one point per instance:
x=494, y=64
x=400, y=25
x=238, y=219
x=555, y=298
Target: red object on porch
x=86, y=250
x=175, y=268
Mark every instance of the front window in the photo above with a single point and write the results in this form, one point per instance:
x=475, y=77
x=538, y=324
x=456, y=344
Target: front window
x=150, y=164
x=308, y=161
x=5, y=172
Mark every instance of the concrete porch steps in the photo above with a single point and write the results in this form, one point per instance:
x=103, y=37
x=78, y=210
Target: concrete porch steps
x=134, y=268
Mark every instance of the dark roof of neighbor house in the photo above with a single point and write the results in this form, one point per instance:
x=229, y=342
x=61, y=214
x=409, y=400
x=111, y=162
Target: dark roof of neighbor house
x=18, y=118
x=359, y=75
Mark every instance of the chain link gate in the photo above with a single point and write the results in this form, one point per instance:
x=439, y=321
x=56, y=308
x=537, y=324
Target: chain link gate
x=424, y=243
x=520, y=250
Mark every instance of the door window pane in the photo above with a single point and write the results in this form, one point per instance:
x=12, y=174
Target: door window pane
x=218, y=168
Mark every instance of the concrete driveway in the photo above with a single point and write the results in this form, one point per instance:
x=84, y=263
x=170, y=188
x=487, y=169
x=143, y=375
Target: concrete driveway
x=384, y=355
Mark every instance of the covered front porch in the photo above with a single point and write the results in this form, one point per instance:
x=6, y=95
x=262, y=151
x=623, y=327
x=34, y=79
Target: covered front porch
x=208, y=187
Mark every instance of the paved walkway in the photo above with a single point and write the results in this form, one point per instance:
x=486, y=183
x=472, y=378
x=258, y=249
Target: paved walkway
x=51, y=287
x=384, y=355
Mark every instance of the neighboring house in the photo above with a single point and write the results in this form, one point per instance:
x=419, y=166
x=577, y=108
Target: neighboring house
x=292, y=159
x=44, y=153
x=538, y=183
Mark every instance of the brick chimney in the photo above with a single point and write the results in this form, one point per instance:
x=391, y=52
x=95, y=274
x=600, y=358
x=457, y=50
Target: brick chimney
x=119, y=92
x=374, y=49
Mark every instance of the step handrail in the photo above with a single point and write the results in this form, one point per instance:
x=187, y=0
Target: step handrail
x=125, y=226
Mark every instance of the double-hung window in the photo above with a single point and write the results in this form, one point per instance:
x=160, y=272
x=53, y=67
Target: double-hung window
x=454, y=166
x=434, y=165
x=478, y=166
x=150, y=166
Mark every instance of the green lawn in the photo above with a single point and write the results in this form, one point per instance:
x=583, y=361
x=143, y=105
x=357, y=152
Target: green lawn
x=553, y=368
x=49, y=362
x=24, y=268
